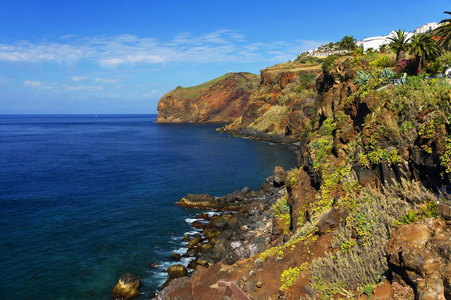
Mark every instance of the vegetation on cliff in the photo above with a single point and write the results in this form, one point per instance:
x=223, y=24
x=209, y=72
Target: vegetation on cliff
x=371, y=155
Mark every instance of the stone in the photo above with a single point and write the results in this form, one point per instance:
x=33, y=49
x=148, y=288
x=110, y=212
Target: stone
x=192, y=265
x=201, y=262
x=308, y=291
x=200, y=201
x=232, y=222
x=245, y=191
x=255, y=208
x=177, y=271
x=417, y=258
x=186, y=238
x=243, y=228
x=176, y=256
x=446, y=275
x=279, y=176
x=250, y=286
x=197, y=225
x=235, y=244
x=127, y=287
x=430, y=288
x=221, y=223
x=194, y=241
x=190, y=253
x=258, y=263
x=329, y=220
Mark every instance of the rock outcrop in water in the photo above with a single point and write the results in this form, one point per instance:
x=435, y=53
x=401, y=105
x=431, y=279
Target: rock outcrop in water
x=127, y=287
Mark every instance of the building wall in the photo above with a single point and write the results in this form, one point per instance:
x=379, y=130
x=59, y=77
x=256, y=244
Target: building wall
x=376, y=41
x=426, y=28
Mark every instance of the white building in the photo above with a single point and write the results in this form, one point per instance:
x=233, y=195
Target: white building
x=376, y=41
x=426, y=28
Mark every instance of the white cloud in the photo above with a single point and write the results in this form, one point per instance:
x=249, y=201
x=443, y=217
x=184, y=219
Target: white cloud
x=32, y=83
x=126, y=49
x=78, y=78
x=83, y=88
x=37, y=85
x=152, y=94
x=105, y=80
x=61, y=87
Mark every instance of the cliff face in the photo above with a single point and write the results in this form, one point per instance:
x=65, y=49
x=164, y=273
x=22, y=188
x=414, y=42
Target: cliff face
x=281, y=106
x=218, y=101
x=357, y=216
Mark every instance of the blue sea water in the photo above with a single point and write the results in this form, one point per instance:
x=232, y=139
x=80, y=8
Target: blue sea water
x=85, y=199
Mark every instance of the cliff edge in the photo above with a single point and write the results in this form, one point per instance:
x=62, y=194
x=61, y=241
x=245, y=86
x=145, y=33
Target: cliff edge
x=220, y=100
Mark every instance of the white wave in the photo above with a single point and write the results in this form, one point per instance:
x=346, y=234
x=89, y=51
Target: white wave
x=190, y=221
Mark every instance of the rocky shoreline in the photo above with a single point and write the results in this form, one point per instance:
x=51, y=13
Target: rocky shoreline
x=242, y=227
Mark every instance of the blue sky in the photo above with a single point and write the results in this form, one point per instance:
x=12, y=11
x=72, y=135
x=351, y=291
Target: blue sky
x=99, y=57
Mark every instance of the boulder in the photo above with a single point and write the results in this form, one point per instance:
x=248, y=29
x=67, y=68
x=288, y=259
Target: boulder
x=422, y=259
x=200, y=201
x=194, y=241
x=279, y=176
x=127, y=287
x=175, y=256
x=255, y=208
x=197, y=225
x=177, y=271
x=329, y=220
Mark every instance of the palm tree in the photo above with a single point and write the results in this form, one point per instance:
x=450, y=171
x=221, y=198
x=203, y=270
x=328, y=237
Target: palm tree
x=443, y=33
x=348, y=42
x=423, y=47
x=399, y=42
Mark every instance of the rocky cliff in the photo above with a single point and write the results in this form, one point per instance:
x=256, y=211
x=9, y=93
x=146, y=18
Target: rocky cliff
x=218, y=101
x=356, y=219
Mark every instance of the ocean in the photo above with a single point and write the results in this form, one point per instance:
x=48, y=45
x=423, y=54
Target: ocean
x=86, y=198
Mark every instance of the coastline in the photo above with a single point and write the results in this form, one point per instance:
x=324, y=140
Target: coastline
x=230, y=233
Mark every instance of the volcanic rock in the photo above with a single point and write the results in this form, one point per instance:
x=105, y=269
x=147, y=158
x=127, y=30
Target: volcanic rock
x=201, y=201
x=176, y=271
x=127, y=287
x=220, y=100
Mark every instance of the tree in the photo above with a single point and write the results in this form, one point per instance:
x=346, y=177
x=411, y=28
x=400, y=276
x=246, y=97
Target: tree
x=348, y=42
x=399, y=42
x=443, y=33
x=423, y=47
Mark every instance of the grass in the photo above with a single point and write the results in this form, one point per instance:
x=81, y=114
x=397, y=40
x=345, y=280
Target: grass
x=275, y=115
x=248, y=82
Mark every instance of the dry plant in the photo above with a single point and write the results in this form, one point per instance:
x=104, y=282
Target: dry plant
x=361, y=238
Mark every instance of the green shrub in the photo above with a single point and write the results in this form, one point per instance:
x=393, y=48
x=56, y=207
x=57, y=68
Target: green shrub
x=406, y=125
x=445, y=160
x=362, y=78
x=289, y=276
x=328, y=62
x=322, y=148
x=387, y=73
x=368, y=290
x=281, y=207
x=380, y=62
x=328, y=127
